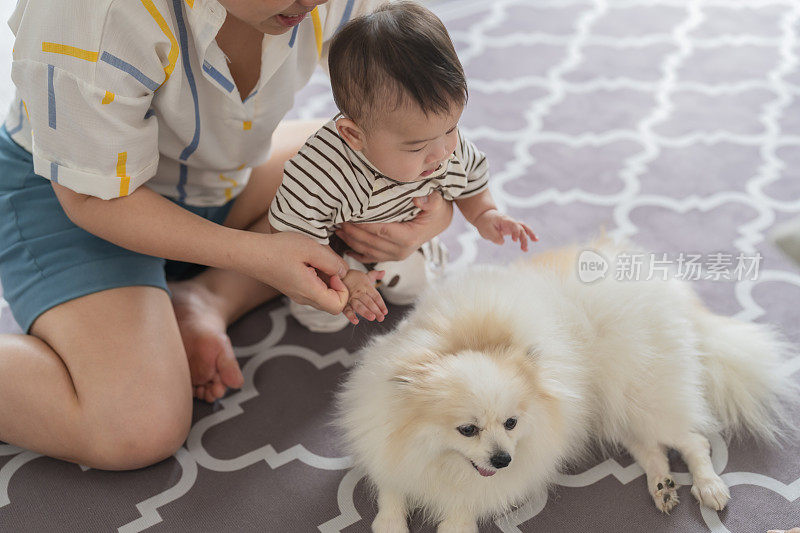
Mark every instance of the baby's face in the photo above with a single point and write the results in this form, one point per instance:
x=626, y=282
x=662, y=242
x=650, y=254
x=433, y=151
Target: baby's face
x=271, y=16
x=407, y=145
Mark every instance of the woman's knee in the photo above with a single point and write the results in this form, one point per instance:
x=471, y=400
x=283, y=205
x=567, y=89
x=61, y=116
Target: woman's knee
x=141, y=438
x=133, y=387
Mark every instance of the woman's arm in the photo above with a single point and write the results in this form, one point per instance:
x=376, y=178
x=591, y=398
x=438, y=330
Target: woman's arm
x=148, y=223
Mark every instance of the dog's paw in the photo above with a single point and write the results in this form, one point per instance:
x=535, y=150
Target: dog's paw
x=384, y=523
x=711, y=492
x=665, y=494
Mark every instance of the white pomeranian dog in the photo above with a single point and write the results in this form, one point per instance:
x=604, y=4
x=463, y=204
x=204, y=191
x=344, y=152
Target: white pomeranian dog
x=500, y=375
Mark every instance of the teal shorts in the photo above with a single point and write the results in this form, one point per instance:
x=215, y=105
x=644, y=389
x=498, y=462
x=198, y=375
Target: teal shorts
x=46, y=260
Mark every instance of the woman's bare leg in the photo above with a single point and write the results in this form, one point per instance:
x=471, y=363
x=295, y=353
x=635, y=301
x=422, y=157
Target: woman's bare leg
x=207, y=304
x=102, y=381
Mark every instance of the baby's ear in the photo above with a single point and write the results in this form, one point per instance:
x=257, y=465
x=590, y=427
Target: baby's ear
x=352, y=134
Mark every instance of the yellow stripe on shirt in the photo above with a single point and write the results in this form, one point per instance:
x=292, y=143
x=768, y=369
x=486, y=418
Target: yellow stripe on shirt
x=233, y=182
x=173, y=51
x=317, y=29
x=125, y=181
x=67, y=50
x=229, y=190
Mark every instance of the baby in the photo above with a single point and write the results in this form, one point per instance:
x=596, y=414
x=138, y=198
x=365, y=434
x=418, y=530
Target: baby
x=401, y=89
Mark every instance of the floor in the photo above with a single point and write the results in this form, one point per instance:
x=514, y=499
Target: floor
x=675, y=123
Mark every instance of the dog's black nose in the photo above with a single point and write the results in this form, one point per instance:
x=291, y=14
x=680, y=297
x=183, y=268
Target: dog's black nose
x=500, y=460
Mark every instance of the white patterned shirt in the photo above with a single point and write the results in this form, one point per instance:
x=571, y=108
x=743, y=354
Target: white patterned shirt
x=328, y=183
x=112, y=94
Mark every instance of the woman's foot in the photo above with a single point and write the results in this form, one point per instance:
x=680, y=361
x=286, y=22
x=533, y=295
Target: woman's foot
x=212, y=363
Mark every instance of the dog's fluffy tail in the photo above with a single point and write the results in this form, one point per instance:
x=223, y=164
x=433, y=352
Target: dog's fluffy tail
x=748, y=384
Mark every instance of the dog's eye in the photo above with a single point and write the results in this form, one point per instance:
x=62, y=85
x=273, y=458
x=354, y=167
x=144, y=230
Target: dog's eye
x=511, y=423
x=469, y=430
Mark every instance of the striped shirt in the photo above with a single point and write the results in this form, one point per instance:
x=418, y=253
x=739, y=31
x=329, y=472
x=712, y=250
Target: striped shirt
x=112, y=94
x=328, y=183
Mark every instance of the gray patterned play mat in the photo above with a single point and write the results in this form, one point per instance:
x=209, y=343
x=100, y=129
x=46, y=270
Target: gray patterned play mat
x=675, y=123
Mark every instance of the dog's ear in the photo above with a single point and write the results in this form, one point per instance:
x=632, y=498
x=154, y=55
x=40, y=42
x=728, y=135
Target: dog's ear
x=409, y=375
x=414, y=371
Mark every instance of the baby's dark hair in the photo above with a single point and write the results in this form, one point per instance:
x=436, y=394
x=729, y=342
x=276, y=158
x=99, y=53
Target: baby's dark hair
x=400, y=53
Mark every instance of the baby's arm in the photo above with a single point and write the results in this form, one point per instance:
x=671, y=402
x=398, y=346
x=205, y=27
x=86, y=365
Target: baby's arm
x=481, y=211
x=364, y=298
x=476, y=202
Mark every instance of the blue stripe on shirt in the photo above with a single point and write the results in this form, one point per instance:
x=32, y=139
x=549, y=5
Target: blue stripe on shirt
x=189, y=150
x=51, y=97
x=184, y=171
x=218, y=76
x=348, y=10
x=126, y=67
x=252, y=94
x=293, y=37
x=54, y=172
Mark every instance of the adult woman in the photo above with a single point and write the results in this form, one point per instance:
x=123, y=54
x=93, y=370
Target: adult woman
x=147, y=118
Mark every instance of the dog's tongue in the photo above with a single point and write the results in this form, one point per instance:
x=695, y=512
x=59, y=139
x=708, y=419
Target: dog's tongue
x=484, y=472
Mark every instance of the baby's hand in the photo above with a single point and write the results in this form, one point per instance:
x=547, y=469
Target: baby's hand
x=364, y=297
x=493, y=224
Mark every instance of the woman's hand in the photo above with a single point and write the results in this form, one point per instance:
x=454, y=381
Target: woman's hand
x=395, y=241
x=290, y=263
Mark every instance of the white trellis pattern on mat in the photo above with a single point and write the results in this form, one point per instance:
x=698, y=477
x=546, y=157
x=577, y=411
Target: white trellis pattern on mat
x=674, y=123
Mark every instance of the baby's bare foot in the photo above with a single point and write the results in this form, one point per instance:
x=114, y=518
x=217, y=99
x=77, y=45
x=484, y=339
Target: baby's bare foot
x=212, y=363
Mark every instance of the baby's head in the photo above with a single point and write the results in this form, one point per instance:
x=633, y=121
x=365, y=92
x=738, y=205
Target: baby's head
x=401, y=88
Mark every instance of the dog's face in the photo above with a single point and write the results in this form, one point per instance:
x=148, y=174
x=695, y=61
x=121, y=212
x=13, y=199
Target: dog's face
x=473, y=407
